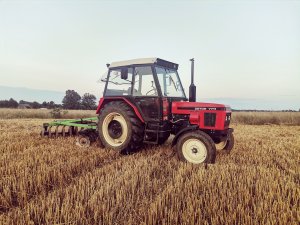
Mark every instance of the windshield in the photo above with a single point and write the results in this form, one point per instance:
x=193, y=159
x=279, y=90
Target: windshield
x=169, y=82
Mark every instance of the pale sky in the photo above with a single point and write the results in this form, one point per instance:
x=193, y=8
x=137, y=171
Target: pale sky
x=242, y=49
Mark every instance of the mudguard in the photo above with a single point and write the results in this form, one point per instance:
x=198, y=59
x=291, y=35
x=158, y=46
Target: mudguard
x=187, y=129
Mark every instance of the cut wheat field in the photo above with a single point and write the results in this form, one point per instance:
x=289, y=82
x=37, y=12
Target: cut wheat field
x=52, y=181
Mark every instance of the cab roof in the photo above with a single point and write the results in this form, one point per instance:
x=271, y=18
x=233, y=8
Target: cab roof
x=143, y=61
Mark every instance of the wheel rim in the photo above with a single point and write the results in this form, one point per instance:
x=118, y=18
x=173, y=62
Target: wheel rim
x=114, y=129
x=221, y=145
x=194, y=151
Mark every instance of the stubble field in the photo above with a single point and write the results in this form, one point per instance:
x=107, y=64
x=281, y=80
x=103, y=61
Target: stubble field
x=52, y=181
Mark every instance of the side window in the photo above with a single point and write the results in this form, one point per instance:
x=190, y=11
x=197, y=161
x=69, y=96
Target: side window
x=144, y=84
x=117, y=86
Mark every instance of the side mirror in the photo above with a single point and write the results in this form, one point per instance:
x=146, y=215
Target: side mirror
x=124, y=73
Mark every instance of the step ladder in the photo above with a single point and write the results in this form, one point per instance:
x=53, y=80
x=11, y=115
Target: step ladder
x=152, y=129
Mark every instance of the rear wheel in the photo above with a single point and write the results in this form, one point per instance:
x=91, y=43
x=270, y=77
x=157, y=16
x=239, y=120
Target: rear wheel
x=196, y=147
x=119, y=128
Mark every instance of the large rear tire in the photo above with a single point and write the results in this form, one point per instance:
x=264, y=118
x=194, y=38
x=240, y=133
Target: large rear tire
x=119, y=128
x=196, y=147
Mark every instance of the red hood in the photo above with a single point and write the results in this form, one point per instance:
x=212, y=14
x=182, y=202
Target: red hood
x=201, y=106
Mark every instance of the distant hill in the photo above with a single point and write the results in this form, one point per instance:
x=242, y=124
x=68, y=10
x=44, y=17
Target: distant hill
x=28, y=94
x=255, y=104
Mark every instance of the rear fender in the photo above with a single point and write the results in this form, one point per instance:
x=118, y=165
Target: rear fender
x=183, y=131
x=104, y=101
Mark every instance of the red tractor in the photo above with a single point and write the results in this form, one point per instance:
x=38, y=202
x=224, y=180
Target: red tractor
x=144, y=102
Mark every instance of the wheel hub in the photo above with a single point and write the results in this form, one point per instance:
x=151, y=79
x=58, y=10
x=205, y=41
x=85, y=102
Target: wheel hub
x=115, y=129
x=195, y=150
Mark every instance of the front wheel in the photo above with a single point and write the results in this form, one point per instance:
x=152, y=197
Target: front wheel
x=196, y=147
x=226, y=145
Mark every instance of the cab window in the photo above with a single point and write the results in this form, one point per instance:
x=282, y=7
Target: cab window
x=144, y=84
x=116, y=86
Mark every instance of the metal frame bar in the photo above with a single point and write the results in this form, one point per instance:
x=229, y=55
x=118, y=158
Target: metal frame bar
x=83, y=123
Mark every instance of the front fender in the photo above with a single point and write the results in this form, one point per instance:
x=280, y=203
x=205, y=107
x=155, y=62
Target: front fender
x=183, y=131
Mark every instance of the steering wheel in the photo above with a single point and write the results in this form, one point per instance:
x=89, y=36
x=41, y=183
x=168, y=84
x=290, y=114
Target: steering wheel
x=154, y=89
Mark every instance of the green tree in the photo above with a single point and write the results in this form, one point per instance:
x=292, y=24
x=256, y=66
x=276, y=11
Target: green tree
x=51, y=105
x=36, y=105
x=12, y=103
x=71, y=100
x=88, y=101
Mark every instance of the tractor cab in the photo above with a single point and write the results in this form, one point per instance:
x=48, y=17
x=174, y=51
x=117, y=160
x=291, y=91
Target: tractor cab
x=148, y=83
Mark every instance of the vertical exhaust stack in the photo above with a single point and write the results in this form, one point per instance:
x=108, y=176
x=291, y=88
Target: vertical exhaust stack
x=192, y=89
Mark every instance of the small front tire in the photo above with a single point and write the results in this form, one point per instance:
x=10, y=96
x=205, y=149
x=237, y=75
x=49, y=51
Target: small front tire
x=230, y=143
x=196, y=147
x=227, y=144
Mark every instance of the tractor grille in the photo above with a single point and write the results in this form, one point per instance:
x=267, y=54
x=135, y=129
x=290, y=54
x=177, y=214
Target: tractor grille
x=227, y=119
x=209, y=119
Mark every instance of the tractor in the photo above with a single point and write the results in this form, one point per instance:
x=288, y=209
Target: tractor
x=144, y=102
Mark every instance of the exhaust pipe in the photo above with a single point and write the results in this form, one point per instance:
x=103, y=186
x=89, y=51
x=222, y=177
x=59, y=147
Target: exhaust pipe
x=192, y=89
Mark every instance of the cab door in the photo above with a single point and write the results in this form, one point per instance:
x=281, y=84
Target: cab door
x=146, y=93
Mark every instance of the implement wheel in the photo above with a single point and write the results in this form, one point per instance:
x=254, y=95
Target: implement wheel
x=196, y=147
x=119, y=128
x=83, y=141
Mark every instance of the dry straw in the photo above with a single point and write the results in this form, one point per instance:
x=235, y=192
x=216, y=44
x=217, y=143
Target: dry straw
x=55, y=182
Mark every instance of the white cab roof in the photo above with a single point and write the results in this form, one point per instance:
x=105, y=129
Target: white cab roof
x=133, y=62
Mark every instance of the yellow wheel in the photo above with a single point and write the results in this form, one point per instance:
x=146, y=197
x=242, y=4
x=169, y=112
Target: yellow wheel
x=196, y=147
x=194, y=151
x=115, y=129
x=119, y=128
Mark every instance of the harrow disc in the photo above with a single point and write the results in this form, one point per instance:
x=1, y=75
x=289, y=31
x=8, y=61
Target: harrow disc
x=49, y=132
x=63, y=132
x=59, y=130
x=71, y=129
x=84, y=129
x=56, y=131
x=44, y=131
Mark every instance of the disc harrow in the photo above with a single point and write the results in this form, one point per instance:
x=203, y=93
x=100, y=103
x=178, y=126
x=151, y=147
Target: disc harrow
x=85, y=130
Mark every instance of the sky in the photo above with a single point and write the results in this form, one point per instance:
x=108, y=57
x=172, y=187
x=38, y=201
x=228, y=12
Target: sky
x=246, y=51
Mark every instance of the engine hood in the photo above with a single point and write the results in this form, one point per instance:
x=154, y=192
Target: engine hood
x=200, y=106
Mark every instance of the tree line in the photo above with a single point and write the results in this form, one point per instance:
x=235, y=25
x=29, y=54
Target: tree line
x=71, y=100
